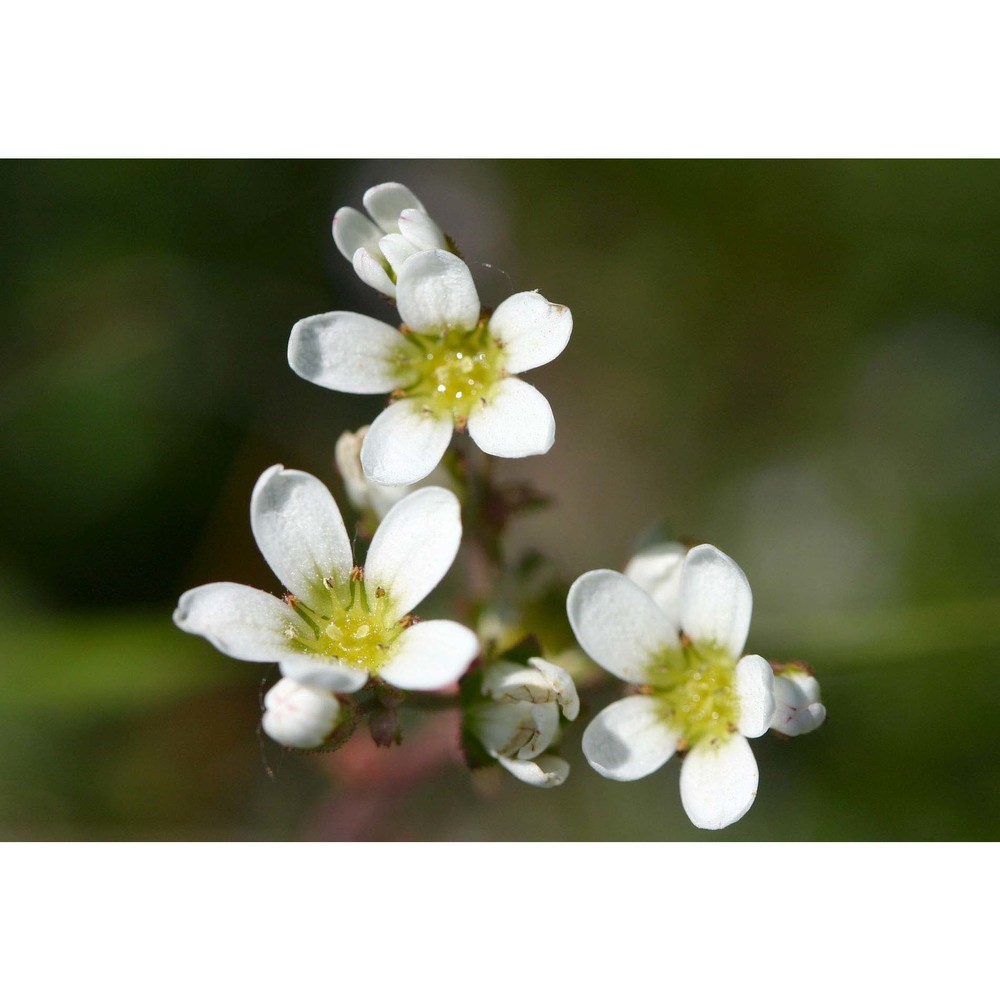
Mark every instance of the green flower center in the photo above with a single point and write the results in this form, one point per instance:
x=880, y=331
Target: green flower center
x=696, y=688
x=453, y=372
x=359, y=631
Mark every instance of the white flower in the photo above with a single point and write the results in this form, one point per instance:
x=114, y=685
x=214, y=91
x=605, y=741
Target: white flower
x=300, y=716
x=696, y=691
x=797, y=705
x=377, y=249
x=447, y=367
x=517, y=718
x=341, y=626
x=368, y=496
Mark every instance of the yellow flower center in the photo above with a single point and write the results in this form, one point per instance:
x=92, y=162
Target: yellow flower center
x=696, y=687
x=358, y=631
x=453, y=372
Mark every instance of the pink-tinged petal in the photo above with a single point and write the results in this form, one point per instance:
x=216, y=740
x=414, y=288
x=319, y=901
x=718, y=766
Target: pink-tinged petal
x=322, y=672
x=618, y=625
x=347, y=352
x=546, y=771
x=657, y=569
x=239, y=621
x=629, y=739
x=532, y=330
x=404, y=444
x=421, y=230
x=352, y=231
x=299, y=716
x=716, y=601
x=430, y=655
x=369, y=266
x=414, y=547
x=514, y=422
x=299, y=531
x=386, y=202
x=435, y=292
x=718, y=782
x=755, y=690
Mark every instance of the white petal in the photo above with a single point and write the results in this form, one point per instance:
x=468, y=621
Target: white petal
x=547, y=771
x=435, y=292
x=300, y=533
x=404, y=444
x=532, y=329
x=657, y=570
x=718, y=782
x=755, y=690
x=397, y=250
x=806, y=683
x=629, y=739
x=515, y=421
x=414, y=547
x=430, y=655
x=322, y=672
x=351, y=231
x=561, y=683
x=421, y=230
x=369, y=267
x=239, y=621
x=519, y=729
x=385, y=203
x=617, y=624
x=347, y=352
x=506, y=681
x=299, y=716
x=715, y=599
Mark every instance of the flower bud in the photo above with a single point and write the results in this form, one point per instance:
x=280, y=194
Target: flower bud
x=797, y=705
x=297, y=715
x=516, y=717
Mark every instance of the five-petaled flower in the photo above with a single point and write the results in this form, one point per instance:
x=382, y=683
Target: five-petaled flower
x=339, y=624
x=378, y=249
x=514, y=714
x=696, y=692
x=448, y=366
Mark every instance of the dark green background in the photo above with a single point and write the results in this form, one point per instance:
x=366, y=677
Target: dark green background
x=796, y=361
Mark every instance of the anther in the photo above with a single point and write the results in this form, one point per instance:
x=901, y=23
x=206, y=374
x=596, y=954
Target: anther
x=357, y=574
x=329, y=583
x=380, y=591
x=291, y=600
x=407, y=620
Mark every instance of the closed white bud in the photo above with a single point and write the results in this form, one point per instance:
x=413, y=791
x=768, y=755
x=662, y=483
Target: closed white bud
x=297, y=715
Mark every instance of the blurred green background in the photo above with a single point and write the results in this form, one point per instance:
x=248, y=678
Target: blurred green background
x=798, y=361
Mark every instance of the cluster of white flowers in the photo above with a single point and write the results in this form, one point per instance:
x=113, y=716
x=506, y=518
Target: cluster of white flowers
x=673, y=625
